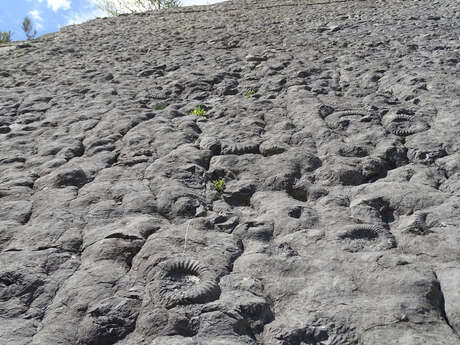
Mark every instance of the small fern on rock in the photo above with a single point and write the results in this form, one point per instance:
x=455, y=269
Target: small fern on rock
x=219, y=185
x=250, y=93
x=198, y=111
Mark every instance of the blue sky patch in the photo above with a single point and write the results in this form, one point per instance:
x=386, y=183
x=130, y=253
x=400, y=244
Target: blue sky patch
x=50, y=15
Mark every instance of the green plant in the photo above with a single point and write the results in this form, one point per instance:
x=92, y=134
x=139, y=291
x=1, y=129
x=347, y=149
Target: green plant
x=198, y=111
x=250, y=93
x=5, y=36
x=28, y=28
x=117, y=7
x=219, y=185
x=160, y=106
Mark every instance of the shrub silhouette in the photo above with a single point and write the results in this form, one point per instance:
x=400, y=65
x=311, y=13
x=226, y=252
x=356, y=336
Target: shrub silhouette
x=28, y=28
x=5, y=36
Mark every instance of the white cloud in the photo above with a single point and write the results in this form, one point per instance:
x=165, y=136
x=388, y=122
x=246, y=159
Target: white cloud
x=80, y=17
x=58, y=4
x=35, y=14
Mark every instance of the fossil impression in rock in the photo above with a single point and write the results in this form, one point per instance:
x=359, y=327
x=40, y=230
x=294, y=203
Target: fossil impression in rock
x=186, y=281
x=404, y=125
x=366, y=237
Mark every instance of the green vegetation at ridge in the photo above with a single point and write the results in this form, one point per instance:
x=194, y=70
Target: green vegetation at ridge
x=28, y=28
x=117, y=7
x=5, y=36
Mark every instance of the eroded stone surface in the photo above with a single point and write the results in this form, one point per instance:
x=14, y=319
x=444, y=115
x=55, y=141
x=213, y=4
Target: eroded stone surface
x=333, y=128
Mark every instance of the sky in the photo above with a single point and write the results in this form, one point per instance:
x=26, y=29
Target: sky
x=50, y=15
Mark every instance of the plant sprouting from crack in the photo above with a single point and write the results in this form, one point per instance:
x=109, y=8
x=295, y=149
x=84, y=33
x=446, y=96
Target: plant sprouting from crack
x=250, y=93
x=219, y=185
x=198, y=111
x=160, y=106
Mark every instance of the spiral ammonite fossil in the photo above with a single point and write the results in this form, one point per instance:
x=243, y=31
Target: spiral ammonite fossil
x=404, y=125
x=186, y=281
x=363, y=237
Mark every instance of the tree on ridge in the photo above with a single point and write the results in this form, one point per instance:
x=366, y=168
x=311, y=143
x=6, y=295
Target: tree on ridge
x=28, y=28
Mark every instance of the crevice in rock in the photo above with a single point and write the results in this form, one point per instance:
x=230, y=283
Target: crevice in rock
x=124, y=236
x=442, y=305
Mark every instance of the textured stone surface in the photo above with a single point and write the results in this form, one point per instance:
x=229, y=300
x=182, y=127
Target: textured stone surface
x=338, y=222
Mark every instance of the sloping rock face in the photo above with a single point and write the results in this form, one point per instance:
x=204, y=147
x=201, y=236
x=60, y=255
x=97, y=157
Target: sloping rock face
x=312, y=198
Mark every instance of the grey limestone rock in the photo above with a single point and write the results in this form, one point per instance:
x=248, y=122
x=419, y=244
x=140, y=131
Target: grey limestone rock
x=315, y=202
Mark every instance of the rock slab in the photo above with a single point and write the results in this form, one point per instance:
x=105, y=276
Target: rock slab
x=245, y=173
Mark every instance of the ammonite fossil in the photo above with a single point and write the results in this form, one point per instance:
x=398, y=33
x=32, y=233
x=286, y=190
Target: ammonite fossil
x=186, y=281
x=364, y=237
x=404, y=125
